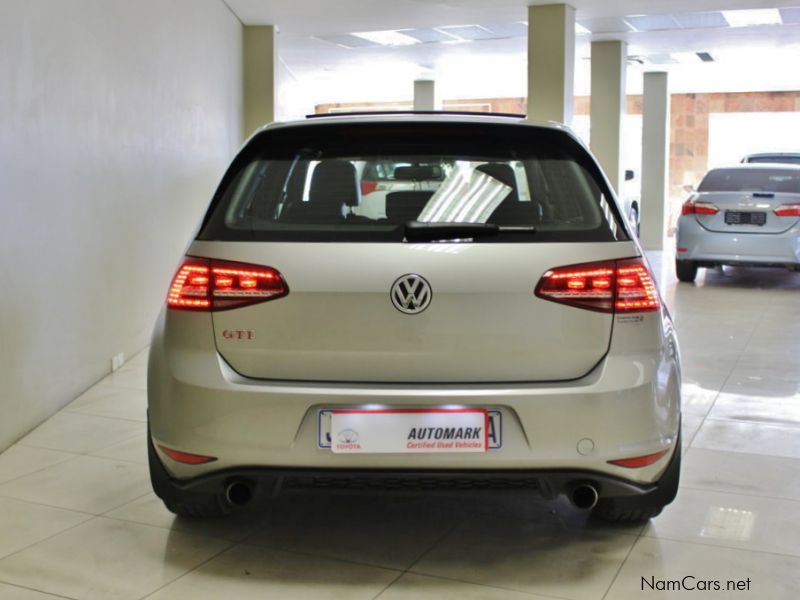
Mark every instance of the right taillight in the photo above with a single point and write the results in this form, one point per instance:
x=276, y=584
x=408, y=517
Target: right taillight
x=367, y=186
x=203, y=284
x=698, y=207
x=791, y=209
x=616, y=286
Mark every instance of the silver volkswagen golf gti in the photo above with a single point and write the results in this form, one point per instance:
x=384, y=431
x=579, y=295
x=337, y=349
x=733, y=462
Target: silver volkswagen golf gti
x=492, y=325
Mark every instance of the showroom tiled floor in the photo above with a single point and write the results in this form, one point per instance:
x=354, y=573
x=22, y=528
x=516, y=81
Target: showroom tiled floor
x=78, y=519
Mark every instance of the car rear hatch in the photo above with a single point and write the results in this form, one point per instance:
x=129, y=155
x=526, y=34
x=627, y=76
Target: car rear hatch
x=758, y=199
x=749, y=212
x=483, y=323
x=533, y=195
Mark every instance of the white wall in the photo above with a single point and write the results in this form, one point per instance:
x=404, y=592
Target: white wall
x=117, y=119
x=732, y=135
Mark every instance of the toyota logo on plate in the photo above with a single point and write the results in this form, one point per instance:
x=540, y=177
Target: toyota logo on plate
x=411, y=294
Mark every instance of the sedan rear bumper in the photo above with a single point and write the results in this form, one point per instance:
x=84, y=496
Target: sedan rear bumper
x=696, y=243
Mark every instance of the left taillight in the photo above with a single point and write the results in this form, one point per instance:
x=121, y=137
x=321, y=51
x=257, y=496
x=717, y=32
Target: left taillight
x=203, y=284
x=614, y=286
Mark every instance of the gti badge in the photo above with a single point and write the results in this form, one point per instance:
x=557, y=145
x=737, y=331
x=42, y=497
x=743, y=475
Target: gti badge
x=239, y=334
x=411, y=294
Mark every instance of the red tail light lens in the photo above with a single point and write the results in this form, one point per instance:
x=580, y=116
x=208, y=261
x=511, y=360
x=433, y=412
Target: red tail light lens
x=621, y=286
x=203, y=284
x=698, y=207
x=367, y=187
x=187, y=458
x=788, y=210
x=637, y=462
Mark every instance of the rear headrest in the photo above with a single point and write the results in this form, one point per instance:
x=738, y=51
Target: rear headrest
x=405, y=206
x=503, y=173
x=334, y=182
x=418, y=173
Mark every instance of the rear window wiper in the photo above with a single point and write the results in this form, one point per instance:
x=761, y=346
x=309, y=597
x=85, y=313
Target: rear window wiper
x=417, y=231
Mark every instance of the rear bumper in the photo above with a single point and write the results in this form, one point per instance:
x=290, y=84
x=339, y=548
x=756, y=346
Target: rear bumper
x=713, y=247
x=627, y=406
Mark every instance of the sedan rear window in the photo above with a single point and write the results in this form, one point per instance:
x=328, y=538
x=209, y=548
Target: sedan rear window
x=366, y=182
x=751, y=180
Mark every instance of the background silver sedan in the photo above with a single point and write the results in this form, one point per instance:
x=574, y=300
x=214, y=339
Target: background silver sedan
x=748, y=215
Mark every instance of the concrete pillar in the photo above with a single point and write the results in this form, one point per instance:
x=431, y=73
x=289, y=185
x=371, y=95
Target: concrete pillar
x=551, y=62
x=260, y=76
x=425, y=97
x=655, y=159
x=608, y=107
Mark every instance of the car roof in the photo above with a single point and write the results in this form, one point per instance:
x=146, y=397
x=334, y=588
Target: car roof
x=768, y=154
x=759, y=167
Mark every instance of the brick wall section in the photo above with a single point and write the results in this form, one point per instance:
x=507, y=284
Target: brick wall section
x=688, y=160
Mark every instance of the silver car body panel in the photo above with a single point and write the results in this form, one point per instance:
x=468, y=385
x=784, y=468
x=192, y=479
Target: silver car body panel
x=576, y=388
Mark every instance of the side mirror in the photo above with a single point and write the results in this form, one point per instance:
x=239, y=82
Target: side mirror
x=629, y=174
x=688, y=188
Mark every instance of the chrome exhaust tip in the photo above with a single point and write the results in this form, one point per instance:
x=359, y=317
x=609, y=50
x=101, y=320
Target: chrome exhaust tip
x=583, y=496
x=238, y=493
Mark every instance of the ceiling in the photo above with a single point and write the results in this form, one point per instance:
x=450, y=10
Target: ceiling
x=477, y=48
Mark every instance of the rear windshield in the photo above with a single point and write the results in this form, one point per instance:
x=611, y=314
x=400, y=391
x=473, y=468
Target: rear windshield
x=364, y=182
x=751, y=180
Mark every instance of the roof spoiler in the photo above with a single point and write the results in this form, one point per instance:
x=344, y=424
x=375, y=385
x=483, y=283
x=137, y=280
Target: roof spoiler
x=469, y=113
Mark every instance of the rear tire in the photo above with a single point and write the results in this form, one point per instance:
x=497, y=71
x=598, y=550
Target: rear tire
x=633, y=509
x=181, y=502
x=686, y=270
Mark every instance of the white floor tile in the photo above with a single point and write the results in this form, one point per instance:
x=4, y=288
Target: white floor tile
x=732, y=520
x=656, y=563
x=737, y=472
x=24, y=460
x=150, y=510
x=106, y=559
x=23, y=524
x=425, y=587
x=83, y=483
x=72, y=432
x=132, y=450
x=529, y=557
x=774, y=410
x=110, y=401
x=13, y=592
x=753, y=438
x=253, y=573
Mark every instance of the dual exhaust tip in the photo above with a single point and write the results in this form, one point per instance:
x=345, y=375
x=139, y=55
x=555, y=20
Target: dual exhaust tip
x=584, y=496
x=239, y=493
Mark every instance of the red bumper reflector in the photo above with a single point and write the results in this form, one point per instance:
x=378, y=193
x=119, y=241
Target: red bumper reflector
x=185, y=457
x=637, y=462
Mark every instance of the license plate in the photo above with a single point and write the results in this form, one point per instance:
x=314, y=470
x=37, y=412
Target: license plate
x=354, y=431
x=737, y=217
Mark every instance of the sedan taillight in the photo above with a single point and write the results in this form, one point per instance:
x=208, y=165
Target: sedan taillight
x=698, y=207
x=616, y=286
x=203, y=284
x=791, y=209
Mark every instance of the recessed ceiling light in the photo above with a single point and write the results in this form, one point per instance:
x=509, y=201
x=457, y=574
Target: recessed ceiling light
x=427, y=35
x=651, y=22
x=346, y=41
x=705, y=57
x=701, y=20
x=747, y=18
x=468, y=32
x=387, y=38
